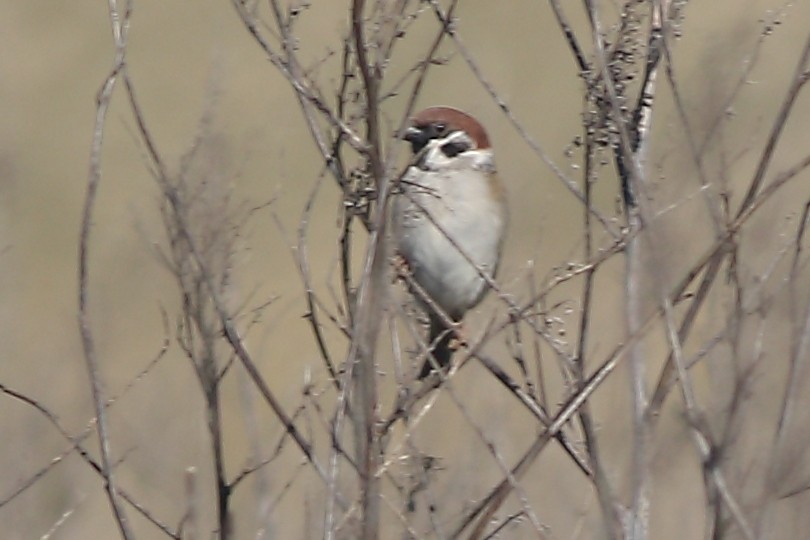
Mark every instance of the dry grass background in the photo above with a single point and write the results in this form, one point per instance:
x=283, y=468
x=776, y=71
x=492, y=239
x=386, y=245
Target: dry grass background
x=186, y=58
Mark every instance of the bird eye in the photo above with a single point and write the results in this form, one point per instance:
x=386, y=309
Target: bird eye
x=440, y=127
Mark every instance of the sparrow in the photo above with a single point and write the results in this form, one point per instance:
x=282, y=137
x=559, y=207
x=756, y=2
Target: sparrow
x=449, y=219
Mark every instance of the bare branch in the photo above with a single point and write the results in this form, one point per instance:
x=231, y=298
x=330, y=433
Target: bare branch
x=119, y=21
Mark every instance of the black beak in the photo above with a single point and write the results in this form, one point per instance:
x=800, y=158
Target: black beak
x=417, y=137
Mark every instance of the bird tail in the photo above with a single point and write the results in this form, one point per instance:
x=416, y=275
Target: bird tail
x=442, y=350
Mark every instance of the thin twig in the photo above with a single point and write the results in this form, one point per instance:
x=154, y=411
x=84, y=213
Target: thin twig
x=570, y=184
x=75, y=443
x=484, y=510
x=231, y=334
x=120, y=30
x=800, y=78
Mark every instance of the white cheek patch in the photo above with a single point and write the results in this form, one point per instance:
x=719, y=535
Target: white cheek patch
x=444, y=153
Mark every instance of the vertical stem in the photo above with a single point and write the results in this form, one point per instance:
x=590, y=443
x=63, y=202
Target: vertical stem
x=223, y=490
x=639, y=511
x=603, y=489
x=120, y=24
x=630, y=154
x=369, y=302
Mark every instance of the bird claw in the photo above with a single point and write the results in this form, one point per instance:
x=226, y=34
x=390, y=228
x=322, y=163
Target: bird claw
x=401, y=267
x=459, y=339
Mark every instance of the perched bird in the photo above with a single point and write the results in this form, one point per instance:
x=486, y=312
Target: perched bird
x=450, y=218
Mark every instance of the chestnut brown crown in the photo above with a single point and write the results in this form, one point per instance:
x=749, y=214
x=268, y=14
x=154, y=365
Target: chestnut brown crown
x=438, y=122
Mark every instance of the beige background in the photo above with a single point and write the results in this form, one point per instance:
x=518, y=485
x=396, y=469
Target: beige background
x=53, y=59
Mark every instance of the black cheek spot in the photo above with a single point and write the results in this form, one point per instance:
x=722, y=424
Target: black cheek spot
x=454, y=148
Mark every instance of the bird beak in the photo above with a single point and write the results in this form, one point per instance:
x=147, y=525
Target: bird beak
x=411, y=134
x=417, y=137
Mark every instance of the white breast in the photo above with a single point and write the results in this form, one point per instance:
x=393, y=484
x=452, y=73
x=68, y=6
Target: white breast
x=447, y=221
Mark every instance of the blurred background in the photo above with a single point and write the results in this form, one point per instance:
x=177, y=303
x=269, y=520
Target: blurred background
x=189, y=58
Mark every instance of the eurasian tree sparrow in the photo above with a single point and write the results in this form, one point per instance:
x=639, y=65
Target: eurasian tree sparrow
x=450, y=218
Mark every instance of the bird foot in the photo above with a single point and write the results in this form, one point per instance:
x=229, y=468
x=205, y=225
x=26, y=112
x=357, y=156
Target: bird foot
x=402, y=269
x=455, y=344
x=459, y=338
